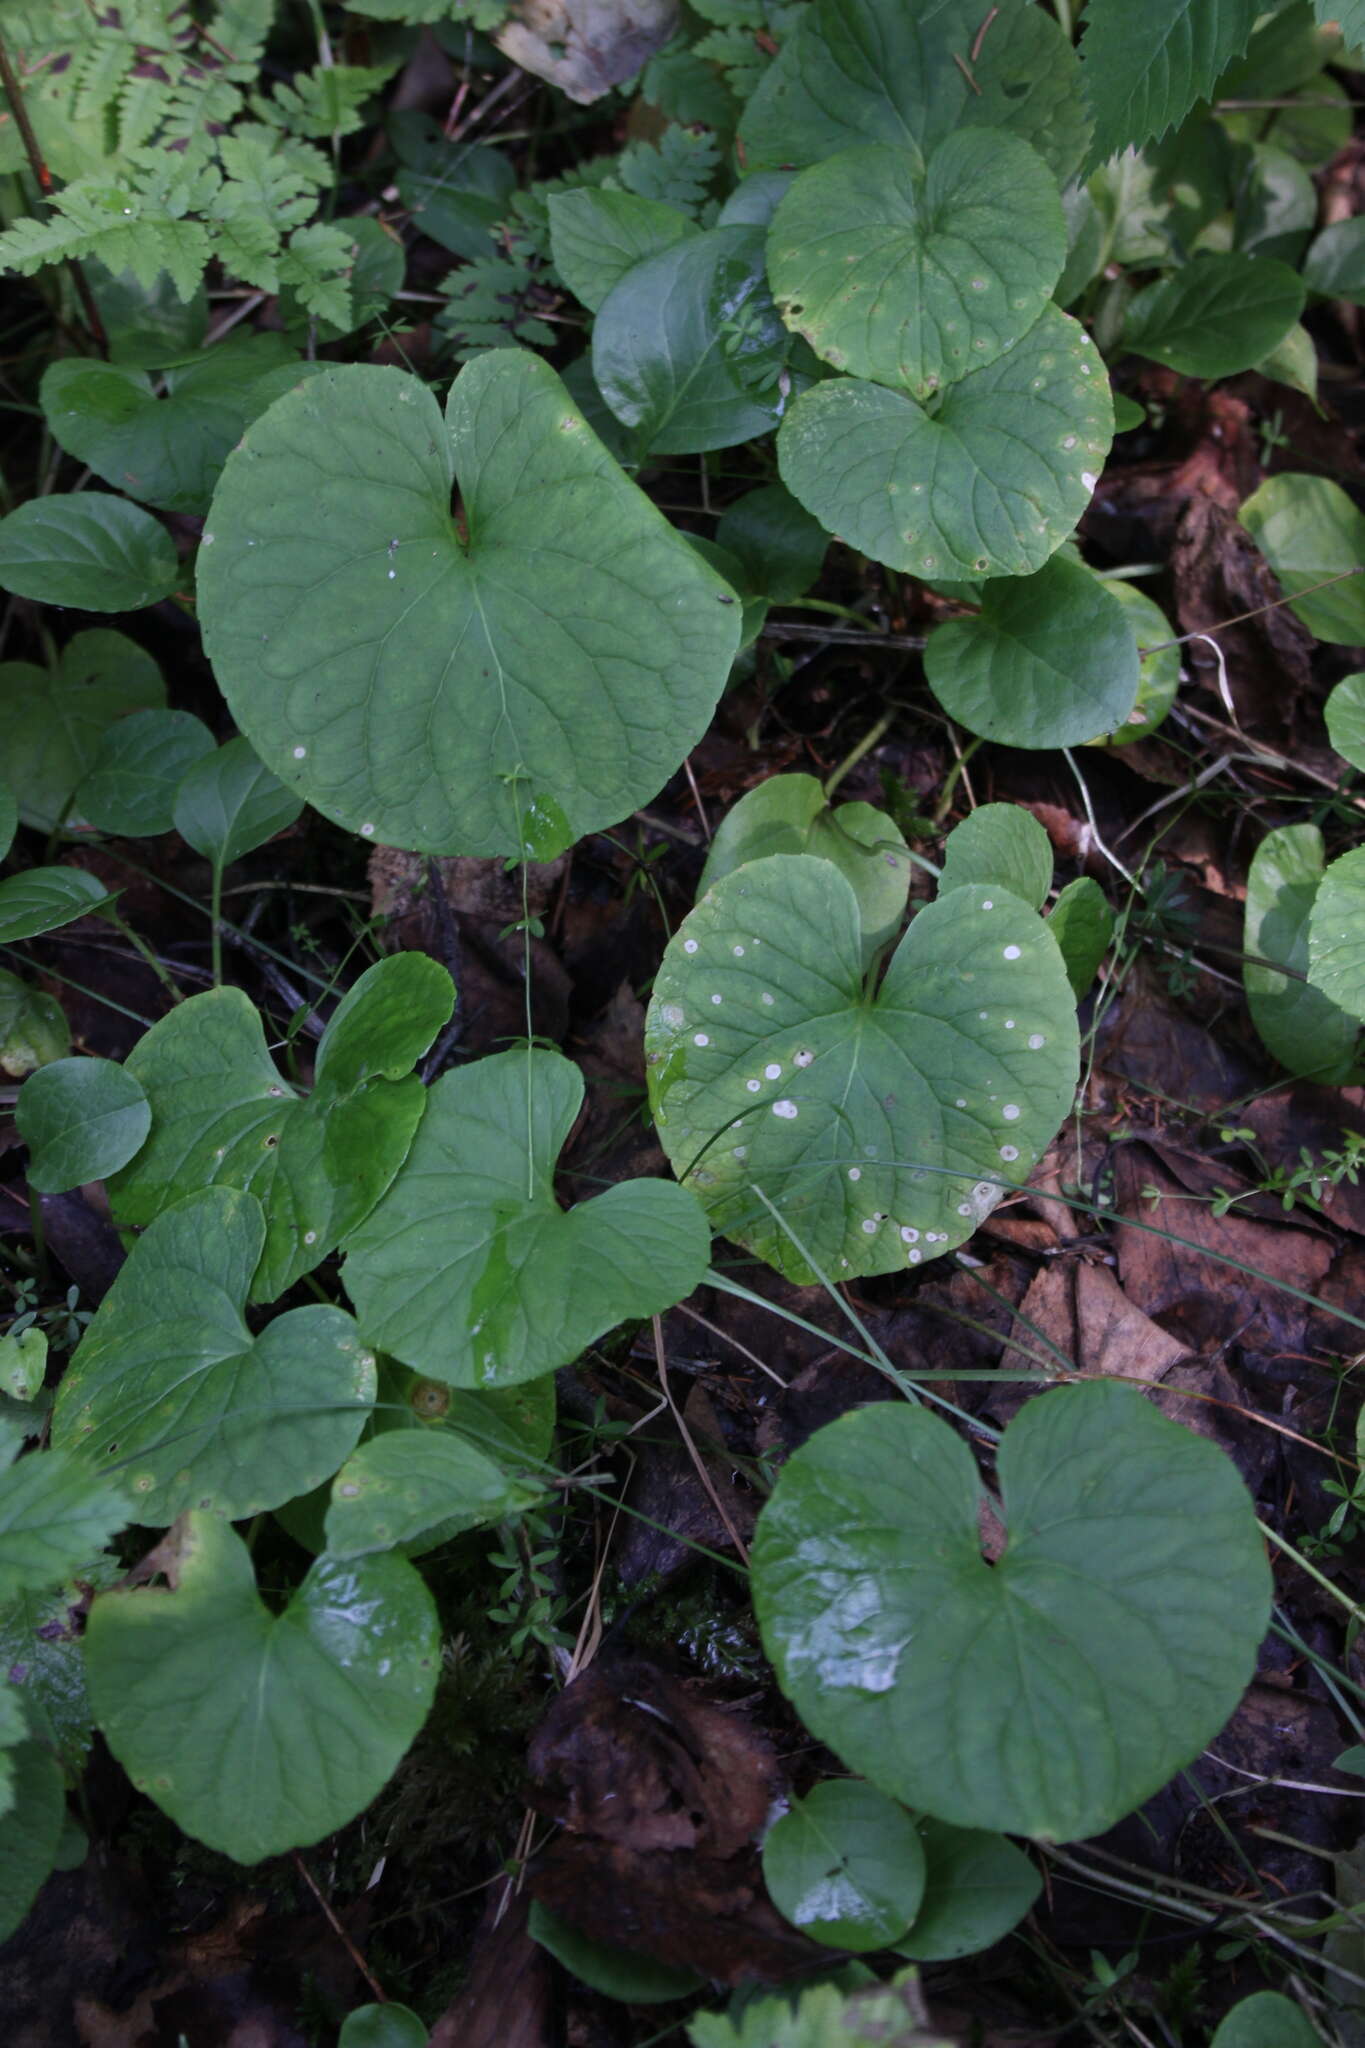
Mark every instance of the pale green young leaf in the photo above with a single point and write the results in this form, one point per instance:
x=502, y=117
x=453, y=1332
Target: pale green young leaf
x=1311, y=533
x=470, y=1272
x=1083, y=925
x=169, y=1380
x=1345, y=715
x=395, y=1487
x=1096, y=1657
x=573, y=656
x=212, y=1703
x=89, y=550
x=916, y=271
x=115, y=224
x=882, y=1128
x=1145, y=67
x=1298, y=1024
x=33, y=1028
x=81, y=1119
x=990, y=484
x=54, y=1517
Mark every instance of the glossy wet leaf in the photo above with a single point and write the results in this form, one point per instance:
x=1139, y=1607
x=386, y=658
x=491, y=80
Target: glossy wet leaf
x=222, y=1114
x=1336, y=934
x=1002, y=844
x=780, y=545
x=1302, y=1027
x=859, y=71
x=1050, y=660
x=1345, y=715
x=846, y=1866
x=229, y=803
x=990, y=484
x=420, y=690
x=169, y=1382
x=30, y=1831
x=1216, y=316
x=214, y=1705
x=44, y=899
x=914, y=271
x=470, y=1272
x=1083, y=925
x=382, y=2026
x=1145, y=68
x=882, y=1127
x=164, y=438
x=597, y=236
x=1096, y=1657
x=81, y=1119
x=397, y=1486
x=33, y=1028
x=1335, y=263
x=977, y=1886
x=139, y=764
x=1266, y=2020
x=687, y=348
x=53, y=720
x=53, y=1518
x=1311, y=533
x=789, y=814
x=89, y=550
x=616, y=1972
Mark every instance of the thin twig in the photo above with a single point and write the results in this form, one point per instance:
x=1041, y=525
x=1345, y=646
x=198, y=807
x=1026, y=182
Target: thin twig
x=340, y=1932
x=741, y=1549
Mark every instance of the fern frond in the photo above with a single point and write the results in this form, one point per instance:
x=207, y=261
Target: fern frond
x=316, y=266
x=490, y=307
x=324, y=102
x=107, y=222
x=678, y=169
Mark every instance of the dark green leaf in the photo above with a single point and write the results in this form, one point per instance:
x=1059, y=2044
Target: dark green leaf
x=1336, y=933
x=81, y=1119
x=1310, y=532
x=229, y=803
x=781, y=546
x=1083, y=925
x=397, y=1486
x=43, y=899
x=54, y=1517
x=1145, y=67
x=88, y=550
x=598, y=236
x=615, y=1972
x=1003, y=844
x=29, y=1832
x=53, y=721
x=1219, y=315
x=1305, y=1031
x=139, y=764
x=977, y=1887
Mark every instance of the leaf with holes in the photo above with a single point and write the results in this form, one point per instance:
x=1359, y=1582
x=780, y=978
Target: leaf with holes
x=688, y=349
x=470, y=1271
x=1306, y=1032
x=53, y=719
x=1094, y=1659
x=422, y=681
x=856, y=71
x=1313, y=537
x=223, y=1116
x=1336, y=934
x=789, y=814
x=169, y=1380
x=875, y=1127
x=89, y=550
x=1048, y=661
x=1220, y=314
x=990, y=484
x=81, y=1119
x=213, y=1703
x=846, y=1866
x=914, y=272
x=167, y=447
x=53, y=1519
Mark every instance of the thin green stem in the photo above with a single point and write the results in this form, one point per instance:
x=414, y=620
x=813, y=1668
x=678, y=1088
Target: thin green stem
x=216, y=924
x=871, y=738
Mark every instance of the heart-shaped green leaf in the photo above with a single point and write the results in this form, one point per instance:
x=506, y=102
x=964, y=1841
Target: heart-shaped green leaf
x=217, y=1708
x=89, y=550
x=1083, y=925
x=977, y=1886
x=53, y=1519
x=166, y=447
x=229, y=803
x=222, y=1115
x=1048, y=661
x=1336, y=934
x=139, y=764
x=1002, y=844
x=1220, y=314
x=846, y=1866
x=882, y=1127
x=1345, y=715
x=596, y=237
x=688, y=349
x=915, y=272
x=469, y=1270
x=855, y=71
x=789, y=814
x=169, y=1381
x=1312, y=534
x=395, y=1487
x=53, y=720
x=990, y=484
x=81, y=1120
x=420, y=686
x=44, y=899
x=1054, y=1691
x=1305, y=1031
x=781, y=547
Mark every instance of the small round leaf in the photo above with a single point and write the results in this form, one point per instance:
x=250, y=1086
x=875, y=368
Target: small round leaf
x=846, y=1866
x=81, y=1119
x=1312, y=534
x=977, y=1886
